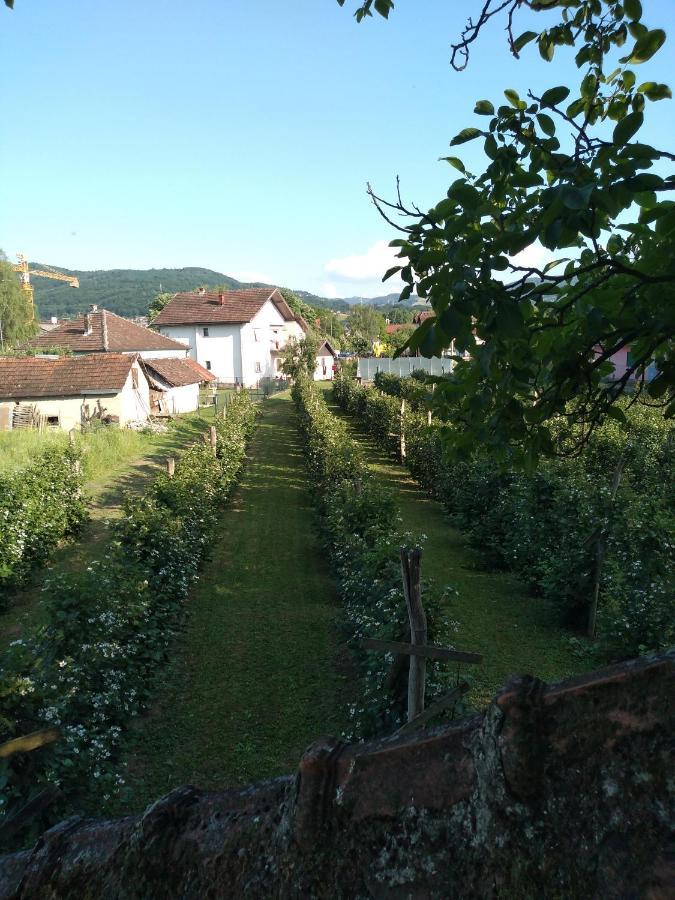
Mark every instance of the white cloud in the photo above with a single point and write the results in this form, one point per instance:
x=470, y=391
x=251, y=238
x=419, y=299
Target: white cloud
x=368, y=266
x=328, y=289
x=536, y=255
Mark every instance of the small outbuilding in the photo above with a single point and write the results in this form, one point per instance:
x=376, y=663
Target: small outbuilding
x=174, y=385
x=325, y=361
x=73, y=391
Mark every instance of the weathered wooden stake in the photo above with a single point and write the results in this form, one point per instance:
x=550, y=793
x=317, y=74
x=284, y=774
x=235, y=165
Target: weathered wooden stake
x=429, y=417
x=71, y=437
x=412, y=589
x=170, y=466
x=213, y=438
x=600, y=548
x=402, y=448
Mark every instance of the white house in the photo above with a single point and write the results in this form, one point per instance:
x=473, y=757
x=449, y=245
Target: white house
x=325, y=360
x=236, y=335
x=68, y=392
x=100, y=331
x=174, y=385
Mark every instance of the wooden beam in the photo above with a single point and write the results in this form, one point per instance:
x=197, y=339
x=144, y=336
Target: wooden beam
x=412, y=588
x=430, y=651
x=29, y=742
x=447, y=700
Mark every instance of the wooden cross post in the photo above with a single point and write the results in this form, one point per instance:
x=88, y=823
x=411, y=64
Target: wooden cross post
x=412, y=589
x=170, y=466
x=213, y=438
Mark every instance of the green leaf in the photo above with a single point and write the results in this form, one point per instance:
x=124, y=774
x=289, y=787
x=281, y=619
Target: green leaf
x=523, y=39
x=647, y=46
x=554, y=95
x=546, y=124
x=391, y=272
x=654, y=91
x=466, y=134
x=575, y=197
x=454, y=161
x=514, y=99
x=627, y=127
x=546, y=47
x=633, y=9
x=645, y=181
x=484, y=108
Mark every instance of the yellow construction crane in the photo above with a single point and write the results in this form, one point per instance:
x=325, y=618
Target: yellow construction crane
x=24, y=276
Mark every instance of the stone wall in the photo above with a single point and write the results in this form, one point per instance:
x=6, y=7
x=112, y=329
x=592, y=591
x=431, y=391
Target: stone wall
x=557, y=791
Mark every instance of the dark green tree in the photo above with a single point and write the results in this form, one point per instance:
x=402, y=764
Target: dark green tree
x=365, y=325
x=17, y=322
x=566, y=169
x=299, y=357
x=157, y=304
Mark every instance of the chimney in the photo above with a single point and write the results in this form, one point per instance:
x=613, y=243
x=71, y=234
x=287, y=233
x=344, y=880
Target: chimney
x=201, y=291
x=93, y=308
x=55, y=320
x=221, y=299
x=87, y=323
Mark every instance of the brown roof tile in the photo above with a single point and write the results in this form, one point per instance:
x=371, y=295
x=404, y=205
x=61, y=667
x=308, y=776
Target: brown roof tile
x=200, y=370
x=67, y=376
x=175, y=372
x=226, y=307
x=108, y=332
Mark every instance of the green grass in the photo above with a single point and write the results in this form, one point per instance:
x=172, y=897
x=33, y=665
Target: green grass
x=260, y=672
x=495, y=615
x=115, y=461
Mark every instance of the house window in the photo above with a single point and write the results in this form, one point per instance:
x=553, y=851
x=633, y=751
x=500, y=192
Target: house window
x=134, y=379
x=258, y=368
x=208, y=364
x=53, y=421
x=205, y=332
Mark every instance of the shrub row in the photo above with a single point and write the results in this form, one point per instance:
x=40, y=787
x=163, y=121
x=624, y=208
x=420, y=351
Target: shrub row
x=544, y=525
x=110, y=629
x=362, y=529
x=39, y=506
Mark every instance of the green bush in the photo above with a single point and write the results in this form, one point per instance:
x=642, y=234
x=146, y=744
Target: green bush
x=362, y=529
x=544, y=525
x=109, y=630
x=39, y=506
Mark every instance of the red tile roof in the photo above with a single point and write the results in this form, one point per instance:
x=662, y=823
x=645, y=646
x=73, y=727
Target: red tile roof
x=200, y=370
x=67, y=376
x=421, y=316
x=226, y=307
x=392, y=329
x=175, y=372
x=107, y=332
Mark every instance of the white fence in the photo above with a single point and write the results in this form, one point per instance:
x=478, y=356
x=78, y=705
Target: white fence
x=369, y=366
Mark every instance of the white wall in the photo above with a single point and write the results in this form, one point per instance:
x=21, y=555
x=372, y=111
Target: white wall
x=162, y=354
x=135, y=402
x=182, y=399
x=222, y=347
x=321, y=361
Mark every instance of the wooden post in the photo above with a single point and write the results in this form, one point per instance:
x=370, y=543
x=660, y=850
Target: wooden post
x=71, y=437
x=170, y=466
x=402, y=448
x=412, y=589
x=213, y=438
x=600, y=547
x=429, y=417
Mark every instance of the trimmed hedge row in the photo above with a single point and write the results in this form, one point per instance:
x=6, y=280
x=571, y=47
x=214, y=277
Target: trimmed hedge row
x=544, y=525
x=362, y=528
x=110, y=629
x=39, y=506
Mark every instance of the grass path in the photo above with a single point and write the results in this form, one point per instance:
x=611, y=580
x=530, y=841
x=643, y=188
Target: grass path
x=259, y=672
x=493, y=611
x=105, y=492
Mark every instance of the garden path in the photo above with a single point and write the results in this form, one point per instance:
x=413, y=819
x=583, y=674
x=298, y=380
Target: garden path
x=260, y=672
x=493, y=611
x=105, y=493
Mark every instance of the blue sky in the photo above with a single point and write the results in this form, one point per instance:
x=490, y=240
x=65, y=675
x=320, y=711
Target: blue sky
x=240, y=135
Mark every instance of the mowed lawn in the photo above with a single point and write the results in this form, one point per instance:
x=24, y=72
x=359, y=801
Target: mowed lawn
x=260, y=672
x=493, y=612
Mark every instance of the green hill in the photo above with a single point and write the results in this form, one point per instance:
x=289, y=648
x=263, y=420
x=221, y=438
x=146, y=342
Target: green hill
x=126, y=292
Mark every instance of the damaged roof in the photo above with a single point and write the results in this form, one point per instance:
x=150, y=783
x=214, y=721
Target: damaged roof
x=103, y=331
x=30, y=377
